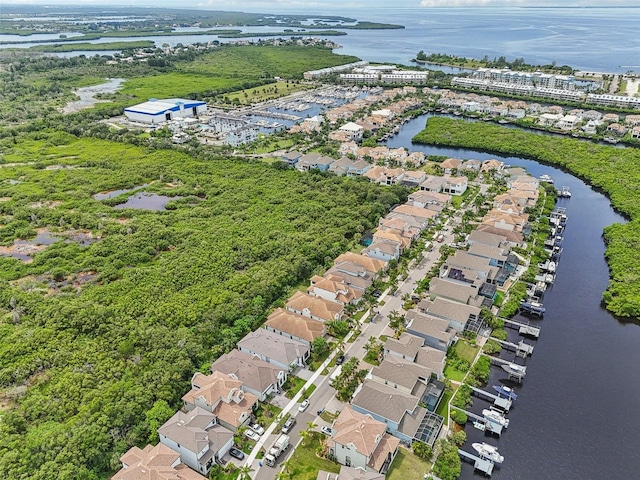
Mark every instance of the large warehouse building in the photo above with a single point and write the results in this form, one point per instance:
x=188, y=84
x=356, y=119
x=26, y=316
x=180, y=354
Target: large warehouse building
x=158, y=111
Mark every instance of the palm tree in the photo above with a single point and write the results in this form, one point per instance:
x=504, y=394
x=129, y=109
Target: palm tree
x=243, y=472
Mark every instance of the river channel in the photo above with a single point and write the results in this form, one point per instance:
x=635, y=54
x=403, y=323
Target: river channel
x=577, y=408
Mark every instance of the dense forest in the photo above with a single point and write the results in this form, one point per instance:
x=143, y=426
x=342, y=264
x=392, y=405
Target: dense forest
x=100, y=338
x=616, y=171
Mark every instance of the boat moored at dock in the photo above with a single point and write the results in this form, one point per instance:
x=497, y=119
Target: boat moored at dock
x=488, y=451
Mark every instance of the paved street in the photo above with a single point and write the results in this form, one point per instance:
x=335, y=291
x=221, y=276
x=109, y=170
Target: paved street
x=323, y=397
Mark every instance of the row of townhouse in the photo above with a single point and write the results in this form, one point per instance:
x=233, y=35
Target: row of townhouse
x=218, y=404
x=408, y=378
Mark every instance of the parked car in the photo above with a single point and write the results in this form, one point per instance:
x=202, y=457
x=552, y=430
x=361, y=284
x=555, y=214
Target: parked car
x=235, y=453
x=340, y=360
x=256, y=427
x=288, y=425
x=327, y=431
x=251, y=435
x=304, y=405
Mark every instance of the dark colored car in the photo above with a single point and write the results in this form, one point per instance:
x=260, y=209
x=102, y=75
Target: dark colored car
x=340, y=360
x=235, y=453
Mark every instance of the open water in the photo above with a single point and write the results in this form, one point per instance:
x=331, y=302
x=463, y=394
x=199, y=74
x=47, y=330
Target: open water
x=592, y=39
x=576, y=414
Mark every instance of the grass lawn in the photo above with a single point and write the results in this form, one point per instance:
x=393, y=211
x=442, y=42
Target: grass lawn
x=355, y=335
x=175, y=84
x=317, y=361
x=293, y=386
x=466, y=351
x=454, y=374
x=456, y=200
x=305, y=464
x=443, y=407
x=266, y=416
x=406, y=465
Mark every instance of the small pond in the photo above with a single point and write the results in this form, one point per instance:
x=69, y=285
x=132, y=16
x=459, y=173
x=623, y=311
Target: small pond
x=146, y=201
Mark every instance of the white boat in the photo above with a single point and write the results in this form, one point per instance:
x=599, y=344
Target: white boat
x=488, y=451
x=495, y=417
x=548, y=278
x=551, y=267
x=515, y=368
x=546, y=178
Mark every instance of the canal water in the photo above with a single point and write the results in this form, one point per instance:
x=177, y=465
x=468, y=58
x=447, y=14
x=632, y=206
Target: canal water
x=576, y=414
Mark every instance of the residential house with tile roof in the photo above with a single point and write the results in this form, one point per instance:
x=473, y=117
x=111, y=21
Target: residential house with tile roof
x=257, y=376
x=222, y=395
x=334, y=290
x=384, y=249
x=359, y=440
x=435, y=332
x=275, y=349
x=350, y=473
x=294, y=326
x=402, y=413
x=154, y=462
x=461, y=317
x=197, y=437
x=316, y=308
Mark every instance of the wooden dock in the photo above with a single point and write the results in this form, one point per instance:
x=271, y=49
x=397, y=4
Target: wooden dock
x=513, y=374
x=500, y=402
x=490, y=426
x=522, y=349
x=482, y=464
x=524, y=328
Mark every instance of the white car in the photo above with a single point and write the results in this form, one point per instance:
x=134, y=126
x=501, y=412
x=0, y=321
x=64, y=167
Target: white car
x=304, y=405
x=251, y=435
x=327, y=431
x=257, y=428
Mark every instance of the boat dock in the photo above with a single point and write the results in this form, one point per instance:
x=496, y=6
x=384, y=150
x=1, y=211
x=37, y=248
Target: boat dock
x=278, y=115
x=532, y=307
x=516, y=372
x=522, y=349
x=502, y=403
x=489, y=426
x=482, y=464
x=524, y=329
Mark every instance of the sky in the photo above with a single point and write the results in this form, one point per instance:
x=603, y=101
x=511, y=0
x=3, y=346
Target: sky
x=330, y=5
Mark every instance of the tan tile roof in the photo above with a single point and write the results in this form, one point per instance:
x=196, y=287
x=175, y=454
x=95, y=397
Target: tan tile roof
x=514, y=237
x=274, y=346
x=362, y=431
x=390, y=235
x=213, y=388
x=153, y=463
x=336, y=286
x=234, y=413
x=385, y=246
x=397, y=371
x=318, y=307
x=388, y=445
x=251, y=371
x=414, y=211
x=407, y=345
x=371, y=265
x=297, y=325
x=193, y=430
x=448, y=309
x=431, y=326
x=451, y=163
x=384, y=401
